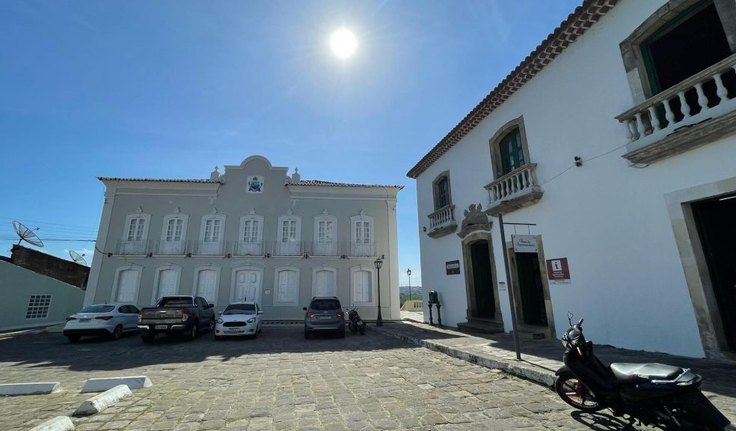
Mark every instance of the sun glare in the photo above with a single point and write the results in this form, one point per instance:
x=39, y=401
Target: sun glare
x=343, y=43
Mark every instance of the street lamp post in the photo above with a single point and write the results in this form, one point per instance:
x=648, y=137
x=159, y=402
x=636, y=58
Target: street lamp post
x=408, y=273
x=378, y=263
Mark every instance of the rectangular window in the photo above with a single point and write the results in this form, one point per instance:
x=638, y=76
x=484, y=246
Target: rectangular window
x=250, y=231
x=135, y=229
x=38, y=307
x=362, y=232
x=443, y=195
x=212, y=230
x=173, y=230
x=288, y=231
x=325, y=231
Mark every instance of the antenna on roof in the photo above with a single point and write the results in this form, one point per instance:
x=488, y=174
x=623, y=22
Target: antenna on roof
x=26, y=234
x=78, y=258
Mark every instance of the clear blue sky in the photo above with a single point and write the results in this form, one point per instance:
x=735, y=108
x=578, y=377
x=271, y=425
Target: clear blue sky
x=169, y=89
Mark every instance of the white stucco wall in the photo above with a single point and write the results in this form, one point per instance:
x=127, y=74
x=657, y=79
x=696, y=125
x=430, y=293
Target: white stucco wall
x=609, y=219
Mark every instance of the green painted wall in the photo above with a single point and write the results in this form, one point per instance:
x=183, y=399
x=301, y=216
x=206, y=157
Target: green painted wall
x=16, y=287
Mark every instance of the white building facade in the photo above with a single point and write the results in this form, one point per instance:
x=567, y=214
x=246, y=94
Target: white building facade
x=252, y=233
x=610, y=152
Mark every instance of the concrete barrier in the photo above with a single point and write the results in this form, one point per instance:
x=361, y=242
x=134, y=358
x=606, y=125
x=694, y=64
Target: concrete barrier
x=30, y=388
x=59, y=423
x=102, y=401
x=105, y=383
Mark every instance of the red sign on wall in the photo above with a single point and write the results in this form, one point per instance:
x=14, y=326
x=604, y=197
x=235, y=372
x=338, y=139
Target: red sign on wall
x=557, y=270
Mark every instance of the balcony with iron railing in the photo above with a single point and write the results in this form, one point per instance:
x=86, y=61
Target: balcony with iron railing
x=514, y=190
x=442, y=222
x=125, y=247
x=696, y=111
x=243, y=248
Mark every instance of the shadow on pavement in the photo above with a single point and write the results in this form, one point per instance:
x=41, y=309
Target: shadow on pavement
x=601, y=421
x=102, y=353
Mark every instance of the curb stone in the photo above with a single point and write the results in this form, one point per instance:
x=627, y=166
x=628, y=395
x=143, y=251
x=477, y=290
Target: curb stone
x=30, y=388
x=528, y=372
x=105, y=383
x=102, y=401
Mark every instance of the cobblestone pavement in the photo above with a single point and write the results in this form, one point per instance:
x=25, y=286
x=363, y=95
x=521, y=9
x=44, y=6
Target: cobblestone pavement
x=279, y=381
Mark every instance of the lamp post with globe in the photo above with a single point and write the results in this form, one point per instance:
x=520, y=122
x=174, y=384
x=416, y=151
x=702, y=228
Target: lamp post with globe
x=378, y=263
x=408, y=273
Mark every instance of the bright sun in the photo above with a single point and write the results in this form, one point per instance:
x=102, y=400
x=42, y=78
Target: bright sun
x=343, y=43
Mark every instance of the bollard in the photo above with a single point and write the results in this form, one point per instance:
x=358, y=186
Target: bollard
x=431, y=322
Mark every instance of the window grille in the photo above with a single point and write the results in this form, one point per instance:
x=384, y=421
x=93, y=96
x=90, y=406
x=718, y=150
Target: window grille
x=38, y=307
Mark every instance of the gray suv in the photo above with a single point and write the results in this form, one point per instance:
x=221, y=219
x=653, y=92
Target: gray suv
x=324, y=314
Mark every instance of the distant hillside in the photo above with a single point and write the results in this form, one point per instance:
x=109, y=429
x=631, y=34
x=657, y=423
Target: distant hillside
x=415, y=290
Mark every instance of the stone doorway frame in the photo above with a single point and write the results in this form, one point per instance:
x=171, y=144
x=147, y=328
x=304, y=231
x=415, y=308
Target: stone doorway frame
x=549, y=330
x=477, y=233
x=694, y=264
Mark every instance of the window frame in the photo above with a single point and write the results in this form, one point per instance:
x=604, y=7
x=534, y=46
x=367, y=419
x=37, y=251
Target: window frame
x=127, y=227
x=499, y=137
x=664, y=19
x=444, y=176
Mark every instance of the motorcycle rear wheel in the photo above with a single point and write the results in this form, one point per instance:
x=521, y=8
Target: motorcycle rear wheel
x=575, y=393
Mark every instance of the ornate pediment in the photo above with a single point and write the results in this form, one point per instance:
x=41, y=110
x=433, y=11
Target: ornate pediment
x=475, y=219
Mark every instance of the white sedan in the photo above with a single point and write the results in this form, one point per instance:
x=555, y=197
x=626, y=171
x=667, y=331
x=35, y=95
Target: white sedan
x=102, y=319
x=238, y=320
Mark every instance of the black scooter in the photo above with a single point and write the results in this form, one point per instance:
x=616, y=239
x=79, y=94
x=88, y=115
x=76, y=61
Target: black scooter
x=355, y=323
x=653, y=394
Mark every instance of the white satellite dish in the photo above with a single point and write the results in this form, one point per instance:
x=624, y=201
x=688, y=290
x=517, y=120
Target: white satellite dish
x=26, y=234
x=78, y=258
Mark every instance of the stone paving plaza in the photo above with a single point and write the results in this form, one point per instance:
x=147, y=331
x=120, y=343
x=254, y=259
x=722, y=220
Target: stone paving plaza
x=279, y=381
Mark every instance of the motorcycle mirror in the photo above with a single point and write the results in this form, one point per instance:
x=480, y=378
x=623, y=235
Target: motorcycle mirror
x=580, y=322
x=569, y=317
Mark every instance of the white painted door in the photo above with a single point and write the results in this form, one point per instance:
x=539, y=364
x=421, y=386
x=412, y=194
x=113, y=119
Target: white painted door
x=324, y=283
x=288, y=287
x=167, y=283
x=361, y=287
x=207, y=285
x=247, y=286
x=127, y=281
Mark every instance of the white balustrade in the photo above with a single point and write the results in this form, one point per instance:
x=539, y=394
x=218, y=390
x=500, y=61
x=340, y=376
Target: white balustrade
x=516, y=183
x=444, y=216
x=658, y=117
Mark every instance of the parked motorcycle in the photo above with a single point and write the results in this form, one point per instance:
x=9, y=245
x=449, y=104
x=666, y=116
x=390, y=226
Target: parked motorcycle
x=653, y=394
x=355, y=323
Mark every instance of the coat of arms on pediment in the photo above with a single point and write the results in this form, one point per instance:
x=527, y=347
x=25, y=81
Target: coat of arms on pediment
x=255, y=184
x=474, y=219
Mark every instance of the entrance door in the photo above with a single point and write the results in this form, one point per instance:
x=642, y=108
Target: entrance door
x=485, y=304
x=167, y=283
x=207, y=285
x=247, y=286
x=531, y=289
x=127, y=286
x=715, y=222
x=324, y=283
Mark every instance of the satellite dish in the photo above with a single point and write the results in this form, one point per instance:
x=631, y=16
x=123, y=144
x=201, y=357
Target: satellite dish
x=26, y=234
x=78, y=258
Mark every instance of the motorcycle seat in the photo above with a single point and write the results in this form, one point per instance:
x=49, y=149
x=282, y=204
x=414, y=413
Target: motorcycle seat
x=631, y=373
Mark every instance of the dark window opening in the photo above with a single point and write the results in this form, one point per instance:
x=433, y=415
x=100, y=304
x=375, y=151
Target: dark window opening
x=511, y=151
x=443, y=193
x=685, y=46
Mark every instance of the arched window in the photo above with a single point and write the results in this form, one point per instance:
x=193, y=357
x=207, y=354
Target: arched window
x=361, y=285
x=324, y=281
x=509, y=150
x=166, y=282
x=206, y=283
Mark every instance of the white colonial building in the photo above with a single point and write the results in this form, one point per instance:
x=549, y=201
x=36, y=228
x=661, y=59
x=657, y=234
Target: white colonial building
x=253, y=233
x=610, y=152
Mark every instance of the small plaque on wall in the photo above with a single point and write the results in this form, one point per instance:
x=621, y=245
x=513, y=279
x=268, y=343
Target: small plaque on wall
x=452, y=267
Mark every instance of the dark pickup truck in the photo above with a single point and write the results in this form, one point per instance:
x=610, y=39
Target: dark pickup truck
x=181, y=314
